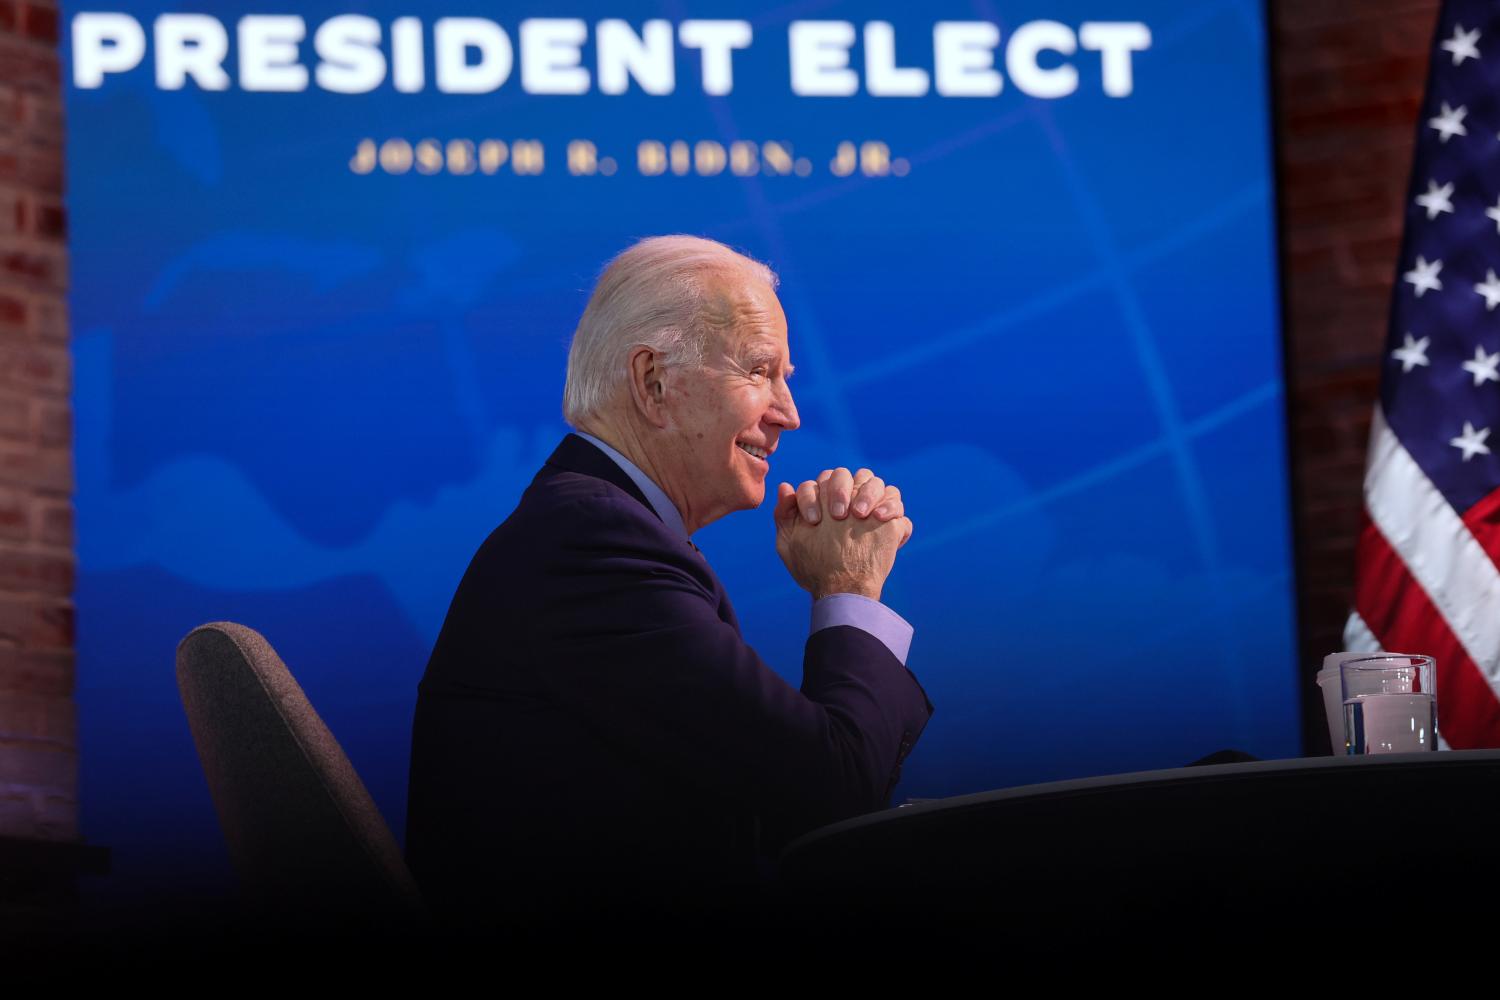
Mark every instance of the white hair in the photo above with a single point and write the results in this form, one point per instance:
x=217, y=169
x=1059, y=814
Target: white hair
x=651, y=294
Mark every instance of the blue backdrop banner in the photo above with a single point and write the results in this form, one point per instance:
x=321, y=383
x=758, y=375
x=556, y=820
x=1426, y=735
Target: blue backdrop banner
x=326, y=267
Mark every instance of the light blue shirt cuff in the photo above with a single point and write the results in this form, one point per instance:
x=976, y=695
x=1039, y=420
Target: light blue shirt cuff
x=870, y=616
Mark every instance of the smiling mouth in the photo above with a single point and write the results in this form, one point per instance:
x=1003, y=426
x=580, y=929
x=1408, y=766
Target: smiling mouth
x=754, y=452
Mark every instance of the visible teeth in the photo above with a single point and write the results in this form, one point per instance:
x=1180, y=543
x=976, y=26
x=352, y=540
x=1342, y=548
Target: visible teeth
x=757, y=452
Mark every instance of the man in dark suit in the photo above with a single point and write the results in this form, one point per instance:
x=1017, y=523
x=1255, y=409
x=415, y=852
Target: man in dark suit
x=592, y=729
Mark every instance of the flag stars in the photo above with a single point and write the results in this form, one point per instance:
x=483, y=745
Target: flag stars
x=1494, y=213
x=1412, y=353
x=1490, y=289
x=1471, y=442
x=1462, y=44
x=1484, y=367
x=1437, y=199
x=1449, y=122
x=1424, y=276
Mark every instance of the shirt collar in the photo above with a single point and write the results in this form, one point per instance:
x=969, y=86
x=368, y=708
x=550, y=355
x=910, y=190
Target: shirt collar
x=665, y=509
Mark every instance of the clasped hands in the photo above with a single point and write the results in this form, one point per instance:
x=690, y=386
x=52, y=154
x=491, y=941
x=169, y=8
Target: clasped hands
x=827, y=550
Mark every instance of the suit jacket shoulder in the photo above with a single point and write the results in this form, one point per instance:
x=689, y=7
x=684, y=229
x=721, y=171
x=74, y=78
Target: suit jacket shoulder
x=580, y=533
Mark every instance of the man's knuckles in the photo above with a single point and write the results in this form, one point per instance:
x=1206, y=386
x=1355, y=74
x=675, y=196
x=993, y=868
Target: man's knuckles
x=872, y=492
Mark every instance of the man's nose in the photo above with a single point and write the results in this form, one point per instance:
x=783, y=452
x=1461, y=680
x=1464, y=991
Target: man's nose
x=784, y=410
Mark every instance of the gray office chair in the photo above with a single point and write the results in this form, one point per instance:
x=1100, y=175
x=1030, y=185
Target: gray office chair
x=306, y=839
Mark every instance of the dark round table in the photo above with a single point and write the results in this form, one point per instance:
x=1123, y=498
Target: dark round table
x=1303, y=843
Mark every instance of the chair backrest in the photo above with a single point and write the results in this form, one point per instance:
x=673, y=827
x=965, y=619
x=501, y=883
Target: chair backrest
x=304, y=835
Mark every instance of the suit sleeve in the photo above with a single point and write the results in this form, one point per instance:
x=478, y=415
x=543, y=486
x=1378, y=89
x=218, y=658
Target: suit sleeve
x=648, y=663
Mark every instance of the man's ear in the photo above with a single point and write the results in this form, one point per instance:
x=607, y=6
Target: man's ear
x=648, y=389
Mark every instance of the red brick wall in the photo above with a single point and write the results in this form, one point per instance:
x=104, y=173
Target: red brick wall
x=38, y=745
x=1349, y=79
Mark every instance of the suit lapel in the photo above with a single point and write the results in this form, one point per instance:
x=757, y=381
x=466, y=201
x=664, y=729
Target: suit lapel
x=575, y=454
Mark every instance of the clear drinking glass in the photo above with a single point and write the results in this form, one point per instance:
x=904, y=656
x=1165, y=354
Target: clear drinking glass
x=1390, y=703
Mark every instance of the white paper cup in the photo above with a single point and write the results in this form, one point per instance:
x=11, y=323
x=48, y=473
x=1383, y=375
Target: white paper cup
x=1333, y=698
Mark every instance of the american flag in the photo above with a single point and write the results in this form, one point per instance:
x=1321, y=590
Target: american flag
x=1426, y=576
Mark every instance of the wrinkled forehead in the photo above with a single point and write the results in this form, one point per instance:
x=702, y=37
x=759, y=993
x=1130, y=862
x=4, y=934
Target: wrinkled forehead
x=742, y=310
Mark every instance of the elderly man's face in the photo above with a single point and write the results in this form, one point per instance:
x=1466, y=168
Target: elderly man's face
x=729, y=414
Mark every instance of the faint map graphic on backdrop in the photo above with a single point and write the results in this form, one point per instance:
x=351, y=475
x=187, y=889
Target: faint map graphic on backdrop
x=303, y=400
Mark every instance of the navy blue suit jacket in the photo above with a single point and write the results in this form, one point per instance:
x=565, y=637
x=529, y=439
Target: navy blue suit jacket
x=591, y=721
